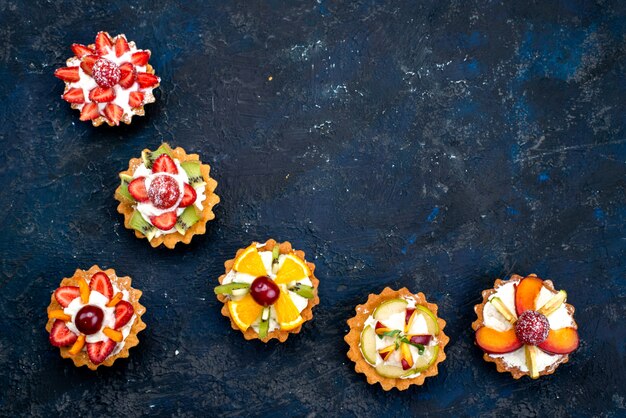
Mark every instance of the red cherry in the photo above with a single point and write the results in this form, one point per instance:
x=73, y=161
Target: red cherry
x=264, y=291
x=164, y=192
x=89, y=319
x=532, y=327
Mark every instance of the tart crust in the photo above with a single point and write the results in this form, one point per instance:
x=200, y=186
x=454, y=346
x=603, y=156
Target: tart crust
x=501, y=365
x=353, y=338
x=82, y=358
x=307, y=313
x=211, y=199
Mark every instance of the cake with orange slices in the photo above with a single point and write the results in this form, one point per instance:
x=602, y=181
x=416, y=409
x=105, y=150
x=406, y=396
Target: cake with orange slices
x=268, y=290
x=525, y=326
x=396, y=339
x=94, y=317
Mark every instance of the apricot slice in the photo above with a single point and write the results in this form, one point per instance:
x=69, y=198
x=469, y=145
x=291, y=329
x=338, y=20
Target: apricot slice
x=526, y=294
x=560, y=341
x=497, y=342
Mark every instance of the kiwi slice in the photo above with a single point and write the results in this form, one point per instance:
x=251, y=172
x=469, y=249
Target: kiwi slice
x=126, y=179
x=192, y=168
x=275, y=253
x=141, y=225
x=304, y=291
x=227, y=289
x=187, y=219
x=149, y=157
x=264, y=325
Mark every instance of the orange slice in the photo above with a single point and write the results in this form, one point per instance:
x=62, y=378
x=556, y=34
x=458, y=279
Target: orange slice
x=293, y=268
x=244, y=311
x=250, y=262
x=286, y=312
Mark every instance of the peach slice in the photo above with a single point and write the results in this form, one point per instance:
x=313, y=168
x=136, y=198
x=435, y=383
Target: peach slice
x=560, y=341
x=407, y=357
x=497, y=342
x=526, y=294
x=425, y=360
x=386, y=352
x=381, y=329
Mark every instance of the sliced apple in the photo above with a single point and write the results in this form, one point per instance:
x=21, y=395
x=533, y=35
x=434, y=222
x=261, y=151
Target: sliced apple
x=531, y=361
x=368, y=344
x=431, y=319
x=497, y=342
x=424, y=361
x=388, y=308
x=504, y=311
x=560, y=341
x=387, y=370
x=526, y=294
x=554, y=303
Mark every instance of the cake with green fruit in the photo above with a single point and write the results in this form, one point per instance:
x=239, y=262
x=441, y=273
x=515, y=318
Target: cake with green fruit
x=396, y=339
x=166, y=196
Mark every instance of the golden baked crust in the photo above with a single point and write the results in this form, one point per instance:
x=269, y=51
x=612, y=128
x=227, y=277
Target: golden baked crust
x=307, y=313
x=353, y=338
x=169, y=240
x=501, y=366
x=82, y=359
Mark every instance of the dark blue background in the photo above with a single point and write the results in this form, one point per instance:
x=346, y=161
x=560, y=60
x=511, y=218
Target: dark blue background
x=434, y=145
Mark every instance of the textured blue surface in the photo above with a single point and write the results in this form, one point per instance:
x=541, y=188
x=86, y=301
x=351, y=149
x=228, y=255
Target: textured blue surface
x=435, y=145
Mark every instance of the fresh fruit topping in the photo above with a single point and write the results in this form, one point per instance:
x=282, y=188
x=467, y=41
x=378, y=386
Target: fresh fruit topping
x=165, y=221
x=137, y=189
x=164, y=164
x=116, y=336
x=407, y=358
x=250, y=262
x=497, y=342
x=189, y=196
x=244, y=311
x=504, y=311
x=164, y=192
x=227, y=289
x=293, y=268
x=115, y=300
x=123, y=312
x=128, y=74
x=89, y=112
x=430, y=318
x=386, y=352
x=74, y=95
x=84, y=290
x=420, y=339
x=368, y=344
x=138, y=223
x=392, y=372
x=89, y=319
x=103, y=43
x=287, y=314
x=388, y=308
x=526, y=293
x=426, y=359
x=69, y=74
x=407, y=316
x=532, y=328
x=264, y=325
x=146, y=80
x=382, y=329
x=87, y=63
x=100, y=282
x=106, y=73
x=264, y=291
x=121, y=46
x=275, y=250
x=60, y=334
x=192, y=168
x=531, y=361
x=81, y=50
x=187, y=219
x=123, y=189
x=149, y=157
x=98, y=352
x=560, y=341
x=113, y=113
x=553, y=304
x=307, y=292
x=78, y=345
x=140, y=58
x=135, y=99
x=66, y=294
x=102, y=95
x=59, y=314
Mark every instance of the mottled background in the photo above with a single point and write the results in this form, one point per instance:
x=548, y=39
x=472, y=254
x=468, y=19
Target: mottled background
x=434, y=144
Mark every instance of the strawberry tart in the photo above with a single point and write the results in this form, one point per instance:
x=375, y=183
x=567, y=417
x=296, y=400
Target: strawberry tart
x=109, y=81
x=94, y=317
x=166, y=196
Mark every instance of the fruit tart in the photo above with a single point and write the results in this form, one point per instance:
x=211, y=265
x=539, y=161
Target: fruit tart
x=269, y=290
x=94, y=317
x=525, y=326
x=108, y=81
x=396, y=339
x=166, y=196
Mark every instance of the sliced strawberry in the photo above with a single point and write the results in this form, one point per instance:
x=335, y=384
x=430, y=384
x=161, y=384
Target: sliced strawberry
x=100, y=282
x=89, y=112
x=103, y=43
x=66, y=294
x=140, y=58
x=102, y=94
x=128, y=74
x=87, y=63
x=74, y=95
x=121, y=46
x=165, y=221
x=189, y=197
x=98, y=352
x=60, y=335
x=137, y=189
x=69, y=74
x=113, y=113
x=123, y=312
x=135, y=99
x=81, y=50
x=164, y=164
x=146, y=80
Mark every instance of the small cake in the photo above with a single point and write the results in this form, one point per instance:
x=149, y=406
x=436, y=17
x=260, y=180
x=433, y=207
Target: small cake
x=166, y=196
x=269, y=290
x=525, y=326
x=396, y=339
x=109, y=81
x=94, y=317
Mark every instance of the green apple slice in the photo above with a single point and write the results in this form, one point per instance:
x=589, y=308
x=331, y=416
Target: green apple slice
x=387, y=370
x=388, y=308
x=368, y=344
x=427, y=359
x=431, y=320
